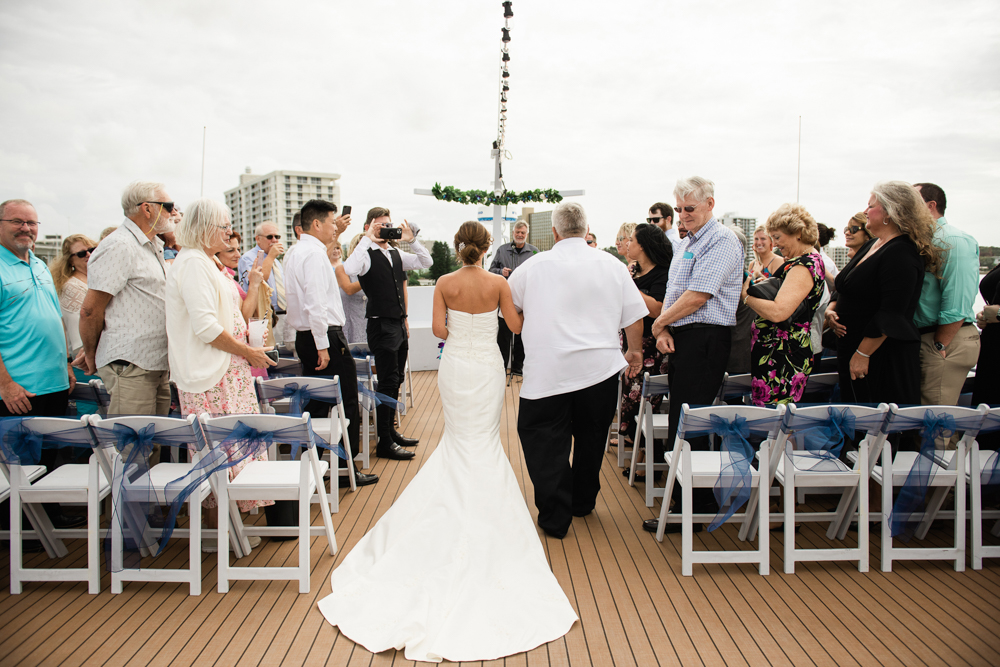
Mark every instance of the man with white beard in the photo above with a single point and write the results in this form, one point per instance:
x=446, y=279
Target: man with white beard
x=123, y=318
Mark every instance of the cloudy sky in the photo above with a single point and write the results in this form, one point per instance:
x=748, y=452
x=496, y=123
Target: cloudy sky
x=618, y=100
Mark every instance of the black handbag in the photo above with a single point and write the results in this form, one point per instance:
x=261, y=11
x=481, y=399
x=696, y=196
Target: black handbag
x=768, y=289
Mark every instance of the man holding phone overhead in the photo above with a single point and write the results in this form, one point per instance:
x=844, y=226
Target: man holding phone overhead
x=381, y=270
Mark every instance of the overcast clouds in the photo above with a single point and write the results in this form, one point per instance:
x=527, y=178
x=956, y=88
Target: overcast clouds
x=617, y=99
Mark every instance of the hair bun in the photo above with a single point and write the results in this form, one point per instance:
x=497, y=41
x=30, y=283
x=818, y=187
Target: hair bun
x=472, y=240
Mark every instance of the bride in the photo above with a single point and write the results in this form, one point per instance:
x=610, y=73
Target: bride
x=454, y=569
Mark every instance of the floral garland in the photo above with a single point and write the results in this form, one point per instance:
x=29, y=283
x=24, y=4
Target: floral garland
x=448, y=193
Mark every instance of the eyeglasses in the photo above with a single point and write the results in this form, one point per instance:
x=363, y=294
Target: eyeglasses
x=32, y=224
x=653, y=221
x=168, y=206
x=688, y=209
x=592, y=242
x=853, y=229
x=271, y=237
x=83, y=253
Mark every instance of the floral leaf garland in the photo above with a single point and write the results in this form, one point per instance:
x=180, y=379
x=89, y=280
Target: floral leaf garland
x=449, y=193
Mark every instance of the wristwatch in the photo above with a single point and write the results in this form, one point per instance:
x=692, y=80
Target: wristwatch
x=939, y=346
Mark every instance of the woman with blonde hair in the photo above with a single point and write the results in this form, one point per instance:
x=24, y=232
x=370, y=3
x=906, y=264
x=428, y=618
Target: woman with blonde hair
x=781, y=345
x=878, y=355
x=69, y=275
x=766, y=261
x=622, y=241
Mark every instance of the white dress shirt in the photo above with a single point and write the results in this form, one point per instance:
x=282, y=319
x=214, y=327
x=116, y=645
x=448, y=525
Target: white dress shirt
x=311, y=289
x=574, y=302
x=675, y=239
x=360, y=261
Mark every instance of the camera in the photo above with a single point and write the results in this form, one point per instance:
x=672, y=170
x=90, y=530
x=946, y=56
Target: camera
x=387, y=233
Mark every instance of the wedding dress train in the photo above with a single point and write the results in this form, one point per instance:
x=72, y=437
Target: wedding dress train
x=454, y=569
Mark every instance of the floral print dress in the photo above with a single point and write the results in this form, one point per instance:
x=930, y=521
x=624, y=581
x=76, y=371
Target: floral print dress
x=233, y=395
x=781, y=353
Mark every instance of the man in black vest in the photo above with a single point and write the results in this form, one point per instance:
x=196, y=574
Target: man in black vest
x=381, y=270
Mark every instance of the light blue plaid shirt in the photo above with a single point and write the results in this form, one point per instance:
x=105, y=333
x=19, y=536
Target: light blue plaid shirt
x=709, y=261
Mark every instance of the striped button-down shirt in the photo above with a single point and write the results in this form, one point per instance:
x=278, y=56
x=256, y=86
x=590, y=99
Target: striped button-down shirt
x=709, y=261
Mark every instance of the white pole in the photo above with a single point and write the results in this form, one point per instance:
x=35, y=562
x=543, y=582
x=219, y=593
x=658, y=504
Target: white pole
x=204, y=133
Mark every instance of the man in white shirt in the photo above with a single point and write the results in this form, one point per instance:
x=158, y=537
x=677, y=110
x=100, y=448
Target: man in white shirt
x=574, y=302
x=270, y=242
x=662, y=215
x=316, y=313
x=381, y=270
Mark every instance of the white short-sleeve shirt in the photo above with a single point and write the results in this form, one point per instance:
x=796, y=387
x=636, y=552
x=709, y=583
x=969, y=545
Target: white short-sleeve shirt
x=574, y=301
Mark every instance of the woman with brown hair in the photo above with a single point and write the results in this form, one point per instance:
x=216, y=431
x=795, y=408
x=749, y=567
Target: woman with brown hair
x=878, y=355
x=856, y=233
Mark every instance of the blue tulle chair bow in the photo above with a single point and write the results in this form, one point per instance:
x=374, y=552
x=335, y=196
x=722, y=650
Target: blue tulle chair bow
x=990, y=470
x=20, y=444
x=732, y=491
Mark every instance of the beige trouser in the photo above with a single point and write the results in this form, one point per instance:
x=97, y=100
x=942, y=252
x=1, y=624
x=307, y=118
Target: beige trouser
x=136, y=391
x=941, y=380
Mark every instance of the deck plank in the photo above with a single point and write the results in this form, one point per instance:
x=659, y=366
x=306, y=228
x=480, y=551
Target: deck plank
x=635, y=607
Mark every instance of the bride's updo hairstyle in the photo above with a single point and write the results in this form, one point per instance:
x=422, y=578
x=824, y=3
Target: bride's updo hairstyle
x=472, y=240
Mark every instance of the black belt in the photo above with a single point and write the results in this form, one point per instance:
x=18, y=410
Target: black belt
x=695, y=325
x=280, y=312
x=932, y=328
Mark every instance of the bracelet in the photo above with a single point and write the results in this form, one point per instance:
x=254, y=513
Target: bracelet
x=866, y=356
x=745, y=300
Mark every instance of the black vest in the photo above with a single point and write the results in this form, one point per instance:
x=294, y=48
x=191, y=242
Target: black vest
x=383, y=285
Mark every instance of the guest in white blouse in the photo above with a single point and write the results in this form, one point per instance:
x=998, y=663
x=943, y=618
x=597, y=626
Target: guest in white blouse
x=69, y=276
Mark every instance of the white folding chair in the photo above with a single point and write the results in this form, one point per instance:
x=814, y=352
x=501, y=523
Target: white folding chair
x=734, y=387
x=407, y=386
x=983, y=464
x=331, y=430
x=272, y=480
x=160, y=484
x=704, y=469
x=651, y=426
x=812, y=431
x=925, y=463
x=613, y=429
x=72, y=483
x=366, y=407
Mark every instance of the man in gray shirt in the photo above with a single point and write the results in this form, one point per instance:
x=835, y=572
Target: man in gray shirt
x=510, y=256
x=123, y=321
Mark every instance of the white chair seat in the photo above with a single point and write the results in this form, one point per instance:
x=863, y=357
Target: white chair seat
x=705, y=469
x=270, y=474
x=71, y=477
x=159, y=477
x=805, y=465
x=901, y=465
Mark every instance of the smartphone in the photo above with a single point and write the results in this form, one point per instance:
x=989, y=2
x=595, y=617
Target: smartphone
x=346, y=210
x=272, y=355
x=390, y=233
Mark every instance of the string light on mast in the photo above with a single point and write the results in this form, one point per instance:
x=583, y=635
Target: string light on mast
x=500, y=197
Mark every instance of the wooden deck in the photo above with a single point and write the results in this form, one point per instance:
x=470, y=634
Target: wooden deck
x=634, y=606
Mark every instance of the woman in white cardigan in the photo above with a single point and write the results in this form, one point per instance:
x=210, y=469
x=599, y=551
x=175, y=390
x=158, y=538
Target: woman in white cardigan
x=209, y=356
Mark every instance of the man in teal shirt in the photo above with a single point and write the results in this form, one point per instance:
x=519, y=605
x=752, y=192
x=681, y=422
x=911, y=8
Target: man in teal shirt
x=949, y=343
x=35, y=376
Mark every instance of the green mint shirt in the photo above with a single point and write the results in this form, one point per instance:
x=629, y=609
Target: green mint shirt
x=950, y=298
x=32, y=341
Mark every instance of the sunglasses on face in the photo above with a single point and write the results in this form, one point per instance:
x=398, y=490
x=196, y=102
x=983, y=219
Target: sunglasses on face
x=653, y=221
x=591, y=242
x=271, y=237
x=83, y=253
x=168, y=206
x=853, y=229
x=688, y=209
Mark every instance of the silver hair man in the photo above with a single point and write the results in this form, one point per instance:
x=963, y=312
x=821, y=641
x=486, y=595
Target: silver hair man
x=137, y=193
x=569, y=220
x=696, y=186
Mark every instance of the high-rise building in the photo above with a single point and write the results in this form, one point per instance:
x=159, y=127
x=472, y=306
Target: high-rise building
x=277, y=197
x=839, y=255
x=747, y=225
x=540, y=230
x=48, y=248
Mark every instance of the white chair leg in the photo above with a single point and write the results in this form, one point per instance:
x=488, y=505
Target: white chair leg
x=975, y=492
x=223, y=536
x=887, y=480
x=687, y=523
x=16, y=556
x=933, y=506
x=764, y=497
x=93, y=525
x=194, y=542
x=863, y=525
x=960, y=507
x=304, y=541
x=789, y=496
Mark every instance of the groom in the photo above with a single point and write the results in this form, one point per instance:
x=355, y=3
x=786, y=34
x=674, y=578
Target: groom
x=574, y=302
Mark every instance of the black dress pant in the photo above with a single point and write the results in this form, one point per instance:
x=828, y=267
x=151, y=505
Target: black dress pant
x=548, y=428
x=696, y=369
x=342, y=365
x=388, y=343
x=504, y=339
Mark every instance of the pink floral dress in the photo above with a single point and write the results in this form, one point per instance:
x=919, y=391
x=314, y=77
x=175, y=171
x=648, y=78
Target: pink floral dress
x=233, y=395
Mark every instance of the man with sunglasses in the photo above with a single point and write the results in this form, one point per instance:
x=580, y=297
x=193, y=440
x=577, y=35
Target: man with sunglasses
x=699, y=313
x=270, y=244
x=123, y=322
x=662, y=215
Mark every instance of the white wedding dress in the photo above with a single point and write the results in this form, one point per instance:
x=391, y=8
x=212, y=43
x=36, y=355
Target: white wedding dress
x=454, y=569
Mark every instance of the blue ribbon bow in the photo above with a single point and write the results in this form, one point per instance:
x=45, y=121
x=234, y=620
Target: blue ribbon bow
x=913, y=494
x=20, y=445
x=732, y=490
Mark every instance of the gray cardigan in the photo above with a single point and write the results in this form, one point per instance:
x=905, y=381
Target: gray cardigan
x=509, y=256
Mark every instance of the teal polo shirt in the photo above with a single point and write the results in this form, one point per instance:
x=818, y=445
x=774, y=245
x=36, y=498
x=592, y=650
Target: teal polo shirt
x=32, y=340
x=951, y=297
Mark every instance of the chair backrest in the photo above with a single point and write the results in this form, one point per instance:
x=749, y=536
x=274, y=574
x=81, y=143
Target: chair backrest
x=819, y=387
x=286, y=366
x=969, y=420
x=172, y=431
x=760, y=421
x=359, y=350
x=734, y=386
x=56, y=432
x=654, y=385
x=870, y=419
x=301, y=390
x=364, y=366
x=293, y=429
